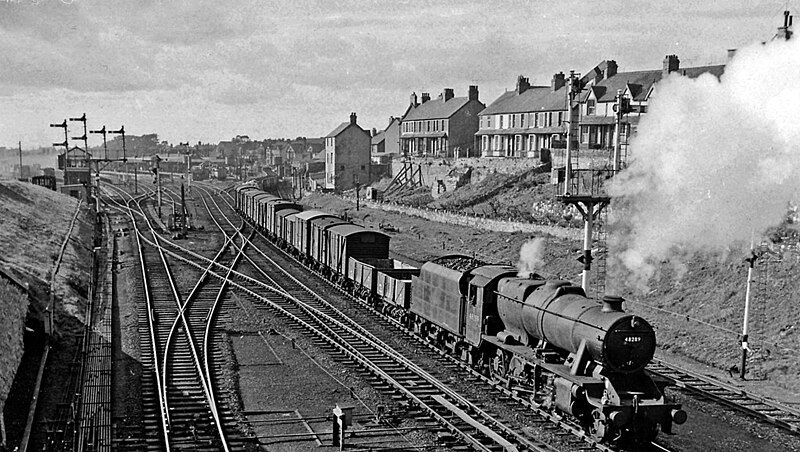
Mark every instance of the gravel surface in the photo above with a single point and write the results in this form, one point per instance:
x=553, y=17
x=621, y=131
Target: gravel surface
x=127, y=368
x=285, y=375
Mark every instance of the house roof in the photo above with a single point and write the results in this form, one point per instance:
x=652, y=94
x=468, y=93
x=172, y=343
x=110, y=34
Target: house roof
x=339, y=129
x=436, y=108
x=379, y=137
x=534, y=99
x=315, y=147
x=342, y=127
x=638, y=83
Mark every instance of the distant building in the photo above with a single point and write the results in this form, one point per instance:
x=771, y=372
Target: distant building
x=378, y=144
x=601, y=84
x=347, y=156
x=386, y=143
x=525, y=121
x=441, y=127
x=315, y=149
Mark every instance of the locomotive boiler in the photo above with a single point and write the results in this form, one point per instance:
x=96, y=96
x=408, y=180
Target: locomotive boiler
x=585, y=358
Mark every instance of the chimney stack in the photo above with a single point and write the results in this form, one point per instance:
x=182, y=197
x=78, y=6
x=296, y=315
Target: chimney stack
x=448, y=94
x=611, y=69
x=352, y=118
x=426, y=97
x=414, y=102
x=671, y=64
x=473, y=92
x=785, y=31
x=558, y=81
x=522, y=84
x=731, y=54
x=612, y=303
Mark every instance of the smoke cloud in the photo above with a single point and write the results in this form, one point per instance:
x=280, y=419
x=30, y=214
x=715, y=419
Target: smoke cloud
x=531, y=257
x=714, y=161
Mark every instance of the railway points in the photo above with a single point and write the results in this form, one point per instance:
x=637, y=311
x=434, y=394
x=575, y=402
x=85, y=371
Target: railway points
x=253, y=269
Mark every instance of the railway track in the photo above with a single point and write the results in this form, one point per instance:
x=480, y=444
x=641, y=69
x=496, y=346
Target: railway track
x=180, y=352
x=767, y=410
x=279, y=276
x=472, y=425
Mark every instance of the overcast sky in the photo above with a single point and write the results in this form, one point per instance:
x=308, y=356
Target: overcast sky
x=209, y=70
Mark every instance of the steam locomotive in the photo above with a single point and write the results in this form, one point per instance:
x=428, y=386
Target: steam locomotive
x=542, y=338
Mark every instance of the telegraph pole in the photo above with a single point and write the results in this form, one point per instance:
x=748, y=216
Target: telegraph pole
x=20, y=159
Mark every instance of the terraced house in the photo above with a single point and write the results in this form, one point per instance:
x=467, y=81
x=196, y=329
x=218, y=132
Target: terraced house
x=441, y=127
x=603, y=82
x=526, y=121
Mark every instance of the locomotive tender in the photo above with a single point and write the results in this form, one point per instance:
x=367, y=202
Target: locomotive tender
x=542, y=338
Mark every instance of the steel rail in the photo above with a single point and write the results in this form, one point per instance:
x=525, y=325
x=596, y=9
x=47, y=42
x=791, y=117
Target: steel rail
x=757, y=406
x=536, y=408
x=380, y=345
x=187, y=329
x=328, y=335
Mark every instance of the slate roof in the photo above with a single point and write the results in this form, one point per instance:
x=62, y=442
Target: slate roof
x=338, y=129
x=640, y=82
x=379, y=137
x=315, y=147
x=534, y=99
x=436, y=108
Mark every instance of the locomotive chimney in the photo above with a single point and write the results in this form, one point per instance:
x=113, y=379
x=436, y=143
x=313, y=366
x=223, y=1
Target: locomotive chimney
x=612, y=303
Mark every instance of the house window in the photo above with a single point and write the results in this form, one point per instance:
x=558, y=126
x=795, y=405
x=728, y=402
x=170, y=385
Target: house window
x=560, y=117
x=590, y=107
x=513, y=121
x=501, y=121
x=427, y=126
x=522, y=120
x=535, y=119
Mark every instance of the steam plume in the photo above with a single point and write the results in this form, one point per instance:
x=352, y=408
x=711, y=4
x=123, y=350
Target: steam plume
x=714, y=161
x=531, y=257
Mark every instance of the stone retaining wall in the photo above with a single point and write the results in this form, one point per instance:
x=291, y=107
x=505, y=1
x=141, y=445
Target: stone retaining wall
x=487, y=224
